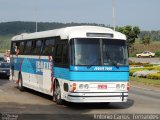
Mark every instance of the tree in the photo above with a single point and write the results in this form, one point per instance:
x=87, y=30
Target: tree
x=130, y=32
x=146, y=40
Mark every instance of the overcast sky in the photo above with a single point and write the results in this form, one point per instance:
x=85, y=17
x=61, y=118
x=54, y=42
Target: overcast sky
x=142, y=13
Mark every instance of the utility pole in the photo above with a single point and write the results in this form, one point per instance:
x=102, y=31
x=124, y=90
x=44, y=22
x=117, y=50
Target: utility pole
x=35, y=15
x=36, y=26
x=36, y=20
x=113, y=14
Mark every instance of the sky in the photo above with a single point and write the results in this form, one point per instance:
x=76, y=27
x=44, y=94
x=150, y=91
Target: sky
x=141, y=13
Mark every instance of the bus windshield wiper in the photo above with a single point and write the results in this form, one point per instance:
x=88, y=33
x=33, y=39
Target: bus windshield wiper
x=89, y=66
x=115, y=64
x=93, y=64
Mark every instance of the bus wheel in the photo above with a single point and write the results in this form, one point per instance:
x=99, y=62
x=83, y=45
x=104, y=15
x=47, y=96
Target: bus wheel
x=57, y=94
x=20, y=83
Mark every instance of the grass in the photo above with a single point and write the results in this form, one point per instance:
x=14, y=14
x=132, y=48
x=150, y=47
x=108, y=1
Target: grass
x=138, y=47
x=154, y=76
x=146, y=81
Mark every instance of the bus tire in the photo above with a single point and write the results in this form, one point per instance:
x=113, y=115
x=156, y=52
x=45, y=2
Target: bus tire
x=57, y=94
x=20, y=83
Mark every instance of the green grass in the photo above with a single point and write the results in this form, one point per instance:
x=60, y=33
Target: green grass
x=146, y=81
x=138, y=48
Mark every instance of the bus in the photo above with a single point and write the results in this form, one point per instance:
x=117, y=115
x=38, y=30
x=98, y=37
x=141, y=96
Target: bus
x=79, y=64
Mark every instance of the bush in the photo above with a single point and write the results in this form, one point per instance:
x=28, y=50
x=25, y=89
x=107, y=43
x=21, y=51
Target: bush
x=144, y=73
x=135, y=70
x=132, y=55
x=154, y=68
x=154, y=76
x=148, y=65
x=131, y=72
x=157, y=53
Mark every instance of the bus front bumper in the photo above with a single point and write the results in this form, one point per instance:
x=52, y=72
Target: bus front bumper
x=97, y=97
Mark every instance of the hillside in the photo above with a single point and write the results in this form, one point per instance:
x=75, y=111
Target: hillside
x=18, y=27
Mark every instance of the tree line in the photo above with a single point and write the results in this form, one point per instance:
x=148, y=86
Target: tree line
x=18, y=27
x=153, y=35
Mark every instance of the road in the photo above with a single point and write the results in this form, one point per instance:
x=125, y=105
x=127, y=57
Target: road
x=31, y=102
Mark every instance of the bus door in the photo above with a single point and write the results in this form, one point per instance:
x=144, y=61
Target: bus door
x=47, y=58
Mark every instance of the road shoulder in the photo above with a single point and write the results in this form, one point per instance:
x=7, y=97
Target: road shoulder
x=136, y=84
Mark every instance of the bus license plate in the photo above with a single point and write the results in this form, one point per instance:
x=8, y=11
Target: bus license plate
x=102, y=86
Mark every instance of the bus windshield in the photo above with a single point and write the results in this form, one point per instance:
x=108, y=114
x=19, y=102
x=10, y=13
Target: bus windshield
x=114, y=52
x=97, y=52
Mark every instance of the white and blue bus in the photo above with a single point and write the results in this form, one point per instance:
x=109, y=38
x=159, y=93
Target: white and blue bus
x=81, y=64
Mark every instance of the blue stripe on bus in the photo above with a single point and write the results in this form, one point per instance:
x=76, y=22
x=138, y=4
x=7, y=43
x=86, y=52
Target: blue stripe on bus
x=99, y=68
x=31, y=65
x=99, y=76
x=75, y=73
x=64, y=73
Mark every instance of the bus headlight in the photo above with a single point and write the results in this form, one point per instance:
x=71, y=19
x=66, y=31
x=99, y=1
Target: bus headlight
x=86, y=86
x=81, y=86
x=120, y=86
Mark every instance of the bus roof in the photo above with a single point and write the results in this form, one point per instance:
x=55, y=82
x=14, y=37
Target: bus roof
x=73, y=32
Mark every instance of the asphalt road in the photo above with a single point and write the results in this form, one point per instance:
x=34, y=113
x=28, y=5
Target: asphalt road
x=34, y=104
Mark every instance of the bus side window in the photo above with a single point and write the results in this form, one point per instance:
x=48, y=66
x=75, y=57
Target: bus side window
x=61, y=54
x=21, y=47
x=37, y=47
x=48, y=47
x=13, y=52
x=17, y=48
x=28, y=47
x=58, y=54
x=65, y=54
